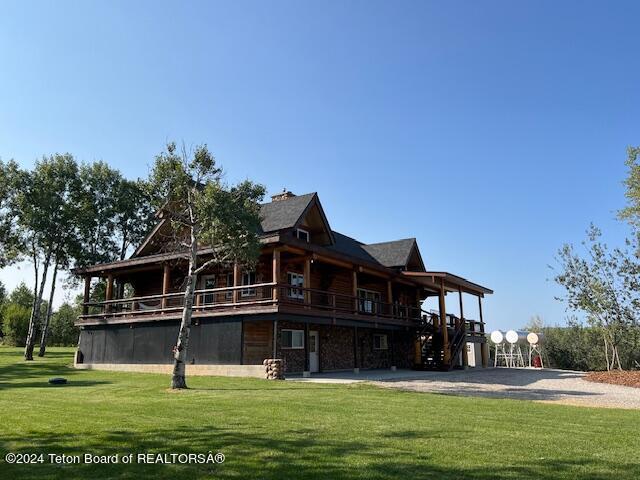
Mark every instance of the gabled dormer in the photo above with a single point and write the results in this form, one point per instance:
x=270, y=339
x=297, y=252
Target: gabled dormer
x=300, y=217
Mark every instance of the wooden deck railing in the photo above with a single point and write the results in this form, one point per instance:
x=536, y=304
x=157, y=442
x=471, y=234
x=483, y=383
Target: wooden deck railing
x=240, y=298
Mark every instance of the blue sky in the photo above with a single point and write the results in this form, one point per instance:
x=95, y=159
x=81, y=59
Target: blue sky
x=491, y=131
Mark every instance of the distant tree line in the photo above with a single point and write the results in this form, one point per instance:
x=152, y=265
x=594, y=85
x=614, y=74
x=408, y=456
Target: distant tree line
x=15, y=313
x=580, y=346
x=602, y=283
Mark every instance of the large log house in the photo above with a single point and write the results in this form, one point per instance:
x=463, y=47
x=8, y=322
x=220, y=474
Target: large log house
x=318, y=299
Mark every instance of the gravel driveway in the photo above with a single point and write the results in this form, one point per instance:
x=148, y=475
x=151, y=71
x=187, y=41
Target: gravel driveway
x=548, y=385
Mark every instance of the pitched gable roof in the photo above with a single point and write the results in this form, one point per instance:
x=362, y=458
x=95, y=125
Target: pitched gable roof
x=388, y=254
x=284, y=213
x=393, y=254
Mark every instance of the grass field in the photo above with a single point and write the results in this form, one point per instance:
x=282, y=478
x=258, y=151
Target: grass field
x=280, y=430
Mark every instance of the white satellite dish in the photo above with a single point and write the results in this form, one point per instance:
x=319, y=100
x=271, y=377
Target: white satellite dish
x=535, y=338
x=497, y=337
x=513, y=336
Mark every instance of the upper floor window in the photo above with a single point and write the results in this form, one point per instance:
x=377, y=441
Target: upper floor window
x=248, y=278
x=208, y=282
x=303, y=235
x=295, y=280
x=368, y=300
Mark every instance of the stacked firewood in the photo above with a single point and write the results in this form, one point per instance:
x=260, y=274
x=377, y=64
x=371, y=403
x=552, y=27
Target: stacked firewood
x=274, y=368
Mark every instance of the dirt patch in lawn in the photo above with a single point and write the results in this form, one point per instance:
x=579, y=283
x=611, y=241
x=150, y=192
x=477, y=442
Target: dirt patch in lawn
x=628, y=379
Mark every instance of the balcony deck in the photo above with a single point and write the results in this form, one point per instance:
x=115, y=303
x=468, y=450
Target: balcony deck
x=251, y=299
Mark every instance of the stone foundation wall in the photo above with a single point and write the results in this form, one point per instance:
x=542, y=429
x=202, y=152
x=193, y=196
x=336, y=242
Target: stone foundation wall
x=399, y=352
x=293, y=357
x=336, y=347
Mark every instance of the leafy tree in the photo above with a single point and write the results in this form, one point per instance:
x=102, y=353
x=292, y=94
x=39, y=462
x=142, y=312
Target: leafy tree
x=45, y=215
x=9, y=238
x=95, y=211
x=134, y=213
x=16, y=323
x=21, y=295
x=603, y=284
x=3, y=297
x=631, y=213
x=204, y=214
x=63, y=330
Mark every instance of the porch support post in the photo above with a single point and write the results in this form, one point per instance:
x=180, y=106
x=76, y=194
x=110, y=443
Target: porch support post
x=109, y=290
x=166, y=277
x=465, y=358
x=354, y=291
x=236, y=281
x=306, y=279
x=108, y=294
x=87, y=293
x=306, y=372
x=275, y=275
x=390, y=297
x=484, y=348
x=443, y=323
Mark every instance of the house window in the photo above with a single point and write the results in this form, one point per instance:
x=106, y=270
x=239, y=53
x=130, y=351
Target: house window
x=208, y=282
x=368, y=300
x=295, y=280
x=248, y=278
x=302, y=234
x=380, y=342
x=229, y=295
x=293, y=339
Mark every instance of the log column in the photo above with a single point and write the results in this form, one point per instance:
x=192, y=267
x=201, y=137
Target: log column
x=465, y=356
x=484, y=349
x=166, y=279
x=443, y=324
x=275, y=275
x=236, y=281
x=87, y=294
x=390, y=297
x=354, y=291
x=306, y=281
x=109, y=292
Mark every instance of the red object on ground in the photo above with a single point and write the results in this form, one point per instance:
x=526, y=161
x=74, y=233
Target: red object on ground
x=537, y=362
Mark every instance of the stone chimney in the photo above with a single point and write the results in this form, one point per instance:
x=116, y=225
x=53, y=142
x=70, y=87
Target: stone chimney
x=285, y=194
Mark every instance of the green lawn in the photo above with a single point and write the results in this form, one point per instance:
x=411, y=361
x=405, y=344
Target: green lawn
x=284, y=430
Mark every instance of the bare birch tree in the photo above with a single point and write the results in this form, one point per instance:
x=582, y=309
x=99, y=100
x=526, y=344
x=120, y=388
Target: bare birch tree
x=205, y=214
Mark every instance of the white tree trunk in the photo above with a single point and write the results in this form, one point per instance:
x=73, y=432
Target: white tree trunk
x=35, y=314
x=47, y=320
x=178, y=379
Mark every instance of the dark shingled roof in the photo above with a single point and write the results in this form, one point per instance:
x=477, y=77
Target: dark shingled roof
x=391, y=254
x=283, y=213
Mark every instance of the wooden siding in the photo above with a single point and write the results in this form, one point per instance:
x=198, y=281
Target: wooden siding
x=257, y=341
